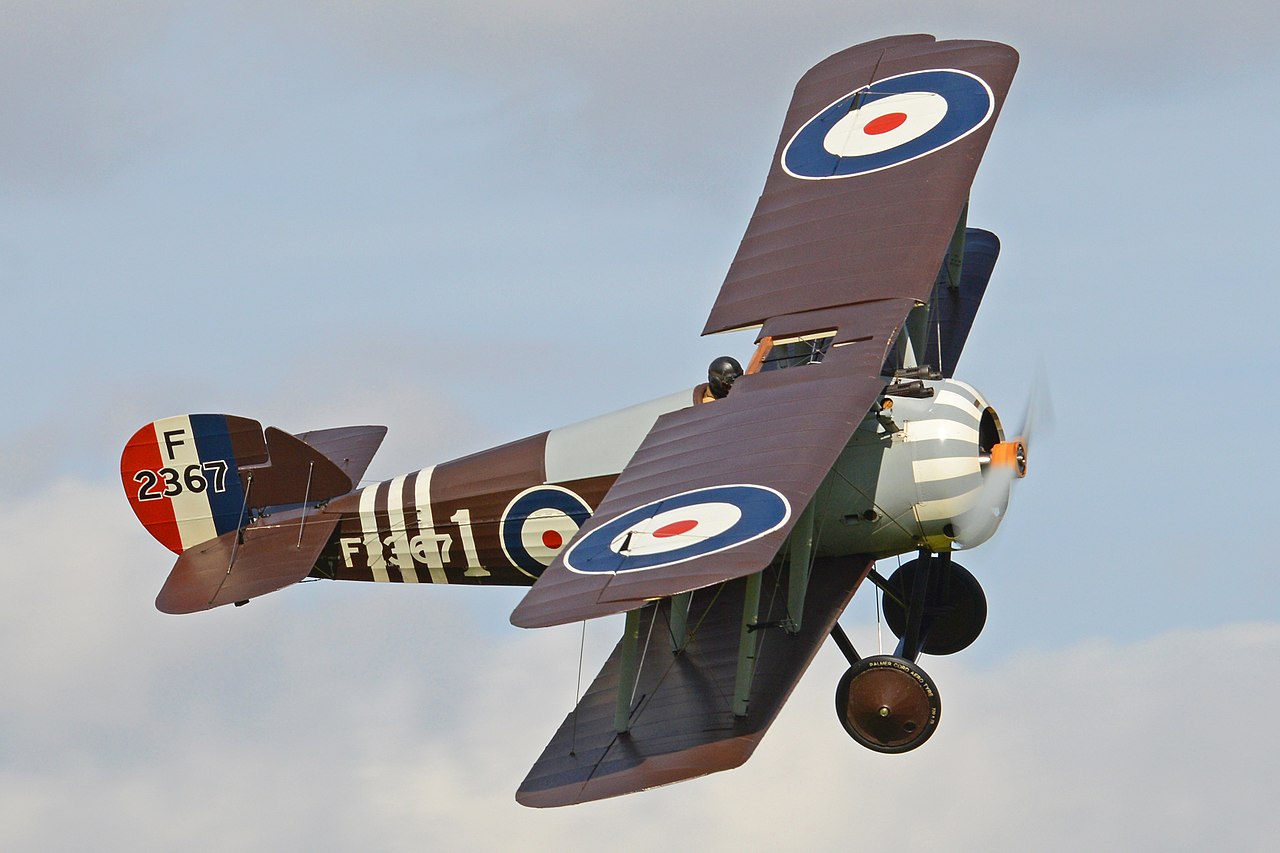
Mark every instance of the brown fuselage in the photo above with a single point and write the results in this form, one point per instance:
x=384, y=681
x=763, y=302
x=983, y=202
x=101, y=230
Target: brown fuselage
x=495, y=517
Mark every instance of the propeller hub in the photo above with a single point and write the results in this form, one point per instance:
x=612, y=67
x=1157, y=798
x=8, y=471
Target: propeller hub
x=1011, y=455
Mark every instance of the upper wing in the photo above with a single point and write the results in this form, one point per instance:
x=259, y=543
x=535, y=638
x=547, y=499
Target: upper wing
x=872, y=170
x=874, y=223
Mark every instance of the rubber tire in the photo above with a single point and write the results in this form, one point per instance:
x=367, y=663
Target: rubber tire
x=948, y=632
x=888, y=704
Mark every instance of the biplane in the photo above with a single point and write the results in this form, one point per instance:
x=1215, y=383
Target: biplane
x=731, y=528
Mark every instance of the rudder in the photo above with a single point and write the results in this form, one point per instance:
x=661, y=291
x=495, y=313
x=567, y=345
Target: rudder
x=193, y=478
x=182, y=476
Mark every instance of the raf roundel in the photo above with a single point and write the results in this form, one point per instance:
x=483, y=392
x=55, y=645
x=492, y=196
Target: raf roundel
x=888, y=123
x=538, y=523
x=678, y=528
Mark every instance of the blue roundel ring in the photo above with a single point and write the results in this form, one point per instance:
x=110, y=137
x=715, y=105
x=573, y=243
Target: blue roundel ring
x=969, y=104
x=562, y=512
x=759, y=511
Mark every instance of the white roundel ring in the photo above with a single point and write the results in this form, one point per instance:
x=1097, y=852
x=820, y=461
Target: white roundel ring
x=674, y=529
x=890, y=122
x=886, y=123
x=537, y=524
x=679, y=528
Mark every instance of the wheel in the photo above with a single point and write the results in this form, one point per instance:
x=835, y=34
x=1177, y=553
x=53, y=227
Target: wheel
x=888, y=704
x=955, y=606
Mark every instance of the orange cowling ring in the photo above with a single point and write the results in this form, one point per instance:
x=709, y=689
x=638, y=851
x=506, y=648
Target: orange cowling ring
x=1010, y=454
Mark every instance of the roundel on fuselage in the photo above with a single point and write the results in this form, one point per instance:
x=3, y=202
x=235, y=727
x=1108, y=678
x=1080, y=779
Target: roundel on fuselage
x=538, y=523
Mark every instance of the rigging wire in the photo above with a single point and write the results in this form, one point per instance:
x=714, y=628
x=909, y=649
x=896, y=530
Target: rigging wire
x=640, y=668
x=235, y=543
x=577, y=691
x=879, y=634
x=306, y=496
x=879, y=618
x=692, y=636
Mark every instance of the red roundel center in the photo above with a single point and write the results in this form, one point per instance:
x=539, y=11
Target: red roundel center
x=552, y=539
x=884, y=123
x=675, y=528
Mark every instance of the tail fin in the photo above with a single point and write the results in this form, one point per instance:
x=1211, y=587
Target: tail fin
x=193, y=478
x=195, y=481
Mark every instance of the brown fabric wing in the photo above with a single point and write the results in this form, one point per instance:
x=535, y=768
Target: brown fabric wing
x=814, y=243
x=682, y=725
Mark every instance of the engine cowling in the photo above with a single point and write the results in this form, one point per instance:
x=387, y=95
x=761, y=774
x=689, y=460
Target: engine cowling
x=929, y=467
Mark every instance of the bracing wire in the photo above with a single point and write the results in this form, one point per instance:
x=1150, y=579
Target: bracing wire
x=235, y=543
x=879, y=618
x=879, y=634
x=306, y=496
x=577, y=691
x=648, y=636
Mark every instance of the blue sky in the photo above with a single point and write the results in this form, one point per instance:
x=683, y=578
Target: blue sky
x=472, y=224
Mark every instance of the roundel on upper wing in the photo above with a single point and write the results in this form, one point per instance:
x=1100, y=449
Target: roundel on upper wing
x=678, y=528
x=538, y=523
x=890, y=122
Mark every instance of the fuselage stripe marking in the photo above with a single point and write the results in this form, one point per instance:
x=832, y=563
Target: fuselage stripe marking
x=426, y=523
x=400, y=536
x=372, y=539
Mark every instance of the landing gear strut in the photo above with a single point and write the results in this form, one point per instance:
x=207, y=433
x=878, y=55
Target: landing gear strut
x=887, y=702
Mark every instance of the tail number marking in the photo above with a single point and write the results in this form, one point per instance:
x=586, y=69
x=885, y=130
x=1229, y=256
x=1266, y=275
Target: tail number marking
x=169, y=483
x=428, y=548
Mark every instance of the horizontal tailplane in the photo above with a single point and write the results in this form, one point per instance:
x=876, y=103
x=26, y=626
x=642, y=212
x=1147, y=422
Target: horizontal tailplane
x=241, y=565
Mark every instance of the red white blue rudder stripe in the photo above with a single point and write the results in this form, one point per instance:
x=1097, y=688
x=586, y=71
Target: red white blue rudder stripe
x=182, y=478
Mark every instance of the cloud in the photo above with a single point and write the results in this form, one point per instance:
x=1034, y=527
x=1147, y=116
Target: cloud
x=332, y=714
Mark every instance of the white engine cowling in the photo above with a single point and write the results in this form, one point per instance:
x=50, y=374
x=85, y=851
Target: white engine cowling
x=928, y=467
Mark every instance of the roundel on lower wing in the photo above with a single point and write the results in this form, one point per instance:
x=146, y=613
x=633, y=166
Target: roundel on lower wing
x=888, y=123
x=538, y=523
x=678, y=528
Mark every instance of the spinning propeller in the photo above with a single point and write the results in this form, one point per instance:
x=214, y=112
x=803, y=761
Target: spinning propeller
x=1001, y=468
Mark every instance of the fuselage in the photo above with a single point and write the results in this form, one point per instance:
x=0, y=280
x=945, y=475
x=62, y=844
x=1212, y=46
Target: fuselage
x=905, y=480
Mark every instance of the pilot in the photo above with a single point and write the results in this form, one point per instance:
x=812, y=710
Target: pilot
x=721, y=375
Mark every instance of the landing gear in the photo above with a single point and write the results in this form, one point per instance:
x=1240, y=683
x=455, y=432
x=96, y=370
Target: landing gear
x=954, y=611
x=887, y=702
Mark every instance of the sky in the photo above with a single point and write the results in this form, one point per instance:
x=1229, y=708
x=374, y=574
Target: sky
x=474, y=222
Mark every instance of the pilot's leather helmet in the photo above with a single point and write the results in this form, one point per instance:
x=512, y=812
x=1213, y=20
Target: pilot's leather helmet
x=721, y=375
